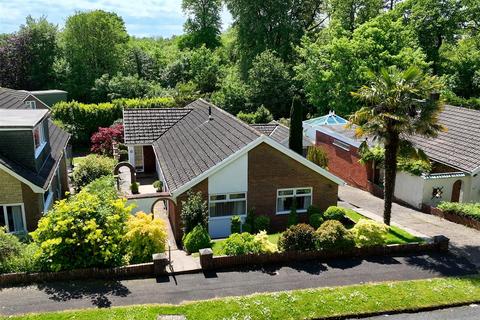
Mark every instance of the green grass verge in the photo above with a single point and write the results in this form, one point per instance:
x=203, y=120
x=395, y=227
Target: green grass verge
x=395, y=234
x=301, y=304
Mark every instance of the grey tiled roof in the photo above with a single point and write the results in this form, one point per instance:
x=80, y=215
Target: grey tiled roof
x=12, y=99
x=58, y=139
x=144, y=126
x=459, y=146
x=195, y=144
x=277, y=132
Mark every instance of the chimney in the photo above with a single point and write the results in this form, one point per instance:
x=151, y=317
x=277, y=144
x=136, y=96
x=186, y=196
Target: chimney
x=210, y=113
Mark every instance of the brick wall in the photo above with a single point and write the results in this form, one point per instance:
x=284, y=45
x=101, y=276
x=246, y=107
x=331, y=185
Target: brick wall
x=175, y=213
x=270, y=170
x=344, y=163
x=10, y=189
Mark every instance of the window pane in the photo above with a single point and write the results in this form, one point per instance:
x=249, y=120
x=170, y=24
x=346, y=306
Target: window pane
x=223, y=209
x=304, y=191
x=285, y=193
x=237, y=196
x=284, y=204
x=218, y=197
x=36, y=137
x=304, y=202
x=2, y=217
x=15, y=219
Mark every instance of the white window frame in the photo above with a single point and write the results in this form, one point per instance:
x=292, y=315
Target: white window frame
x=31, y=104
x=342, y=145
x=292, y=196
x=43, y=139
x=47, y=203
x=6, y=217
x=143, y=158
x=227, y=199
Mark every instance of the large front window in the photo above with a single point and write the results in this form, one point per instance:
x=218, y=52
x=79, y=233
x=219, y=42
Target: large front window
x=11, y=217
x=222, y=205
x=302, y=197
x=39, y=139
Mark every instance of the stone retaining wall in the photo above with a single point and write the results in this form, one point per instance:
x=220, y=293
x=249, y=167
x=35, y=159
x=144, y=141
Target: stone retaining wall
x=209, y=262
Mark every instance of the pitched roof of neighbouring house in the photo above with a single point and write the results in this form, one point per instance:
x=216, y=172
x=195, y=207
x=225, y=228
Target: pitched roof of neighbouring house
x=278, y=132
x=459, y=146
x=147, y=125
x=196, y=143
x=58, y=139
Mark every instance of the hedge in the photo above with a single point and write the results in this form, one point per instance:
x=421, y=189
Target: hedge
x=471, y=210
x=82, y=120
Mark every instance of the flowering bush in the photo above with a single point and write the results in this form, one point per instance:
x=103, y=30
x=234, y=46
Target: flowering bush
x=102, y=140
x=145, y=236
x=369, y=233
x=265, y=245
x=333, y=235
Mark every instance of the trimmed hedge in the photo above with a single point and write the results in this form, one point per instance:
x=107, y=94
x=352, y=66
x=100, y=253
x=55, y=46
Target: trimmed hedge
x=82, y=120
x=471, y=210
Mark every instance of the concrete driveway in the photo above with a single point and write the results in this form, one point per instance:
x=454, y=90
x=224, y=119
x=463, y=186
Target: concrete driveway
x=465, y=241
x=102, y=294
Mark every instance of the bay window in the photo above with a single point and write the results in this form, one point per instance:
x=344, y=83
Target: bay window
x=286, y=197
x=222, y=205
x=12, y=217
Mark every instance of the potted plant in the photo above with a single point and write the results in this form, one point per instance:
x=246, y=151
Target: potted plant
x=158, y=185
x=134, y=187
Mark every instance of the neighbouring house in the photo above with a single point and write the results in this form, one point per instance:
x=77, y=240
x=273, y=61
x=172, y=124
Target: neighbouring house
x=33, y=171
x=454, y=155
x=234, y=165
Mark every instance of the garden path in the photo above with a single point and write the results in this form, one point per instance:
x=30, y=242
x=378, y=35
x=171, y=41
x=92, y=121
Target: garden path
x=464, y=241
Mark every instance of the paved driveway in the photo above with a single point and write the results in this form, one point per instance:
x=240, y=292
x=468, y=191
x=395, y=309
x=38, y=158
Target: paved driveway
x=88, y=294
x=465, y=241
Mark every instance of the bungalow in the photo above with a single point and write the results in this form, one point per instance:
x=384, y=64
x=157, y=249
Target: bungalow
x=454, y=155
x=33, y=172
x=234, y=165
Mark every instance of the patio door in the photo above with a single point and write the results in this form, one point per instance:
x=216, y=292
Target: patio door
x=138, y=154
x=221, y=209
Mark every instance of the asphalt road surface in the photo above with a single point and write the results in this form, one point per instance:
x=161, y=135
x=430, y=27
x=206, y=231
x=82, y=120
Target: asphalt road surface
x=100, y=294
x=471, y=312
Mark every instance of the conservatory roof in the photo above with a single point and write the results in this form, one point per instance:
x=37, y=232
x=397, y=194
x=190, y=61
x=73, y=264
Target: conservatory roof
x=330, y=119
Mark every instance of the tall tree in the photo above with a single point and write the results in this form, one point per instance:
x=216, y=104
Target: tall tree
x=204, y=22
x=399, y=104
x=27, y=57
x=92, y=43
x=272, y=24
x=295, y=140
x=349, y=14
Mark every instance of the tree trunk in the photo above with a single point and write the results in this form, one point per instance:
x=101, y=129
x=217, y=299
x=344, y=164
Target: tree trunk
x=391, y=149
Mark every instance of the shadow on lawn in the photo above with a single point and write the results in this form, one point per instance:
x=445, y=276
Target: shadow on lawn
x=97, y=291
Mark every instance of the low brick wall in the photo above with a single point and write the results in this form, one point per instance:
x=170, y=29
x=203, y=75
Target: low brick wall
x=151, y=269
x=466, y=221
x=209, y=262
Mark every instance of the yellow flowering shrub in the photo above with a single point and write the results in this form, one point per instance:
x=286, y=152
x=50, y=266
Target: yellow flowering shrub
x=145, y=236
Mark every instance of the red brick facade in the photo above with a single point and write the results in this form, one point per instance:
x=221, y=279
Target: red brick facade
x=345, y=163
x=268, y=171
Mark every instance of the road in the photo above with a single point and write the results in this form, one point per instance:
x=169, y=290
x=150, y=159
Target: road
x=471, y=312
x=88, y=294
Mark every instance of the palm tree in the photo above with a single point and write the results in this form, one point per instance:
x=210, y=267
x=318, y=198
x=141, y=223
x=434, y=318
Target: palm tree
x=399, y=104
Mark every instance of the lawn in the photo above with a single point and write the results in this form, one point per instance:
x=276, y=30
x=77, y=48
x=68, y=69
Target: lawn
x=301, y=304
x=395, y=235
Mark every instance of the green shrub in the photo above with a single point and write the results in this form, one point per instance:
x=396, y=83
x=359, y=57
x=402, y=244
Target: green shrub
x=471, y=210
x=103, y=187
x=134, y=187
x=293, y=215
x=197, y=239
x=261, y=223
x=265, y=245
x=194, y=212
x=10, y=246
x=91, y=168
x=241, y=243
x=334, y=213
x=145, y=236
x=236, y=224
x=158, y=185
x=333, y=235
x=315, y=220
x=83, y=231
x=26, y=259
x=317, y=155
x=249, y=225
x=369, y=233
x=298, y=237
x=311, y=210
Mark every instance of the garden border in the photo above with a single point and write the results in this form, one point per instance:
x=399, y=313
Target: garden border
x=453, y=217
x=209, y=262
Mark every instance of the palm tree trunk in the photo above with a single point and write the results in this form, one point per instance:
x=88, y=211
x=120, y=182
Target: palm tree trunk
x=391, y=149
